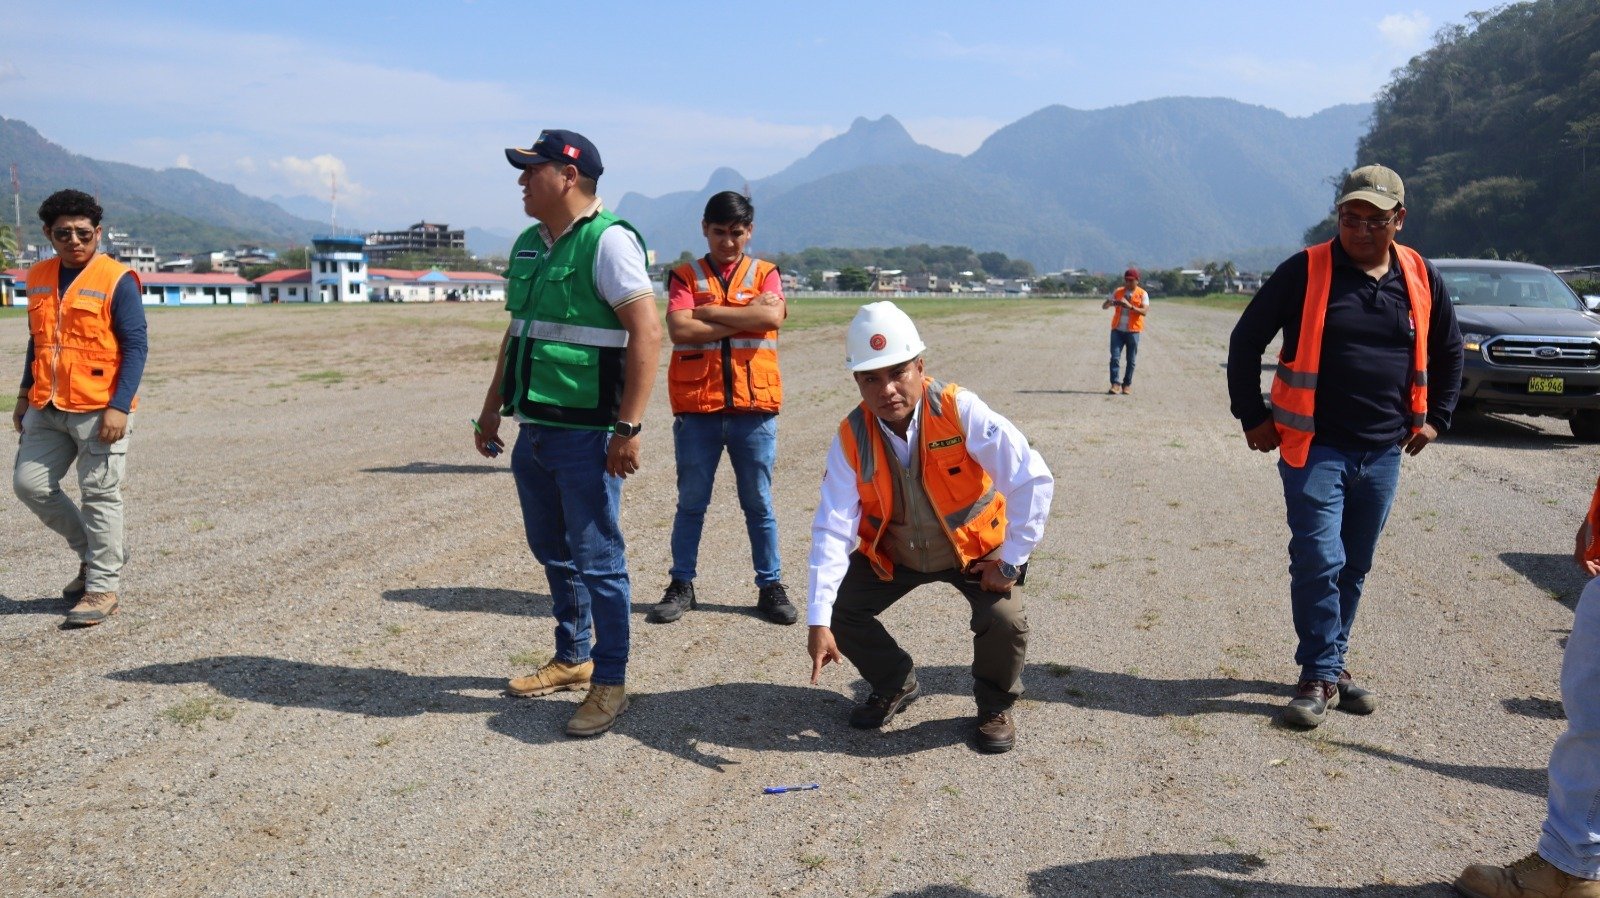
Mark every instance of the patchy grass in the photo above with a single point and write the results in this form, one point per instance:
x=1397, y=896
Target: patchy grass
x=813, y=861
x=530, y=659
x=328, y=377
x=193, y=712
x=1226, y=302
x=8, y=402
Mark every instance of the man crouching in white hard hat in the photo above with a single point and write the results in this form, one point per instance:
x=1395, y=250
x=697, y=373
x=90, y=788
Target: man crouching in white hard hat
x=959, y=498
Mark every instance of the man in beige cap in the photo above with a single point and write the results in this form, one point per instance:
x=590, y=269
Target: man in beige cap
x=1370, y=366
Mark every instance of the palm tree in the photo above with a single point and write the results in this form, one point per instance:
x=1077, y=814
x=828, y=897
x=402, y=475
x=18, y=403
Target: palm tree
x=1227, y=272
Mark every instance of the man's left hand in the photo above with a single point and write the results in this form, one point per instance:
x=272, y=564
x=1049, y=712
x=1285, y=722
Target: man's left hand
x=113, y=425
x=622, y=455
x=1420, y=440
x=990, y=578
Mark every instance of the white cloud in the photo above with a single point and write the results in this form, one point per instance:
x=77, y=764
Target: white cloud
x=183, y=161
x=1405, y=31
x=10, y=72
x=245, y=164
x=317, y=175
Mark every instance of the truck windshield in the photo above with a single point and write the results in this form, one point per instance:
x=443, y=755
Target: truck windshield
x=1516, y=287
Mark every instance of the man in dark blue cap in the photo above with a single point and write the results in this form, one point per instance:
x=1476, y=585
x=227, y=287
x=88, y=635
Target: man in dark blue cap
x=575, y=370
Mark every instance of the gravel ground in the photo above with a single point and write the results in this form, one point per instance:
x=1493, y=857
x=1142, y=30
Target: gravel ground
x=327, y=589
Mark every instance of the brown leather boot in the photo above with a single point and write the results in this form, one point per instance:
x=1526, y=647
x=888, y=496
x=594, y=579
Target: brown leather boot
x=92, y=609
x=997, y=732
x=555, y=676
x=599, y=710
x=1531, y=877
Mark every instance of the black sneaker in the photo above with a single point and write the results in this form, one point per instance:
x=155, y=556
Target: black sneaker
x=1354, y=699
x=774, y=603
x=1310, y=704
x=878, y=709
x=678, y=598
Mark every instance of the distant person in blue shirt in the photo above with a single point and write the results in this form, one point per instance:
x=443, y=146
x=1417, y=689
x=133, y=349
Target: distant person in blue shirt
x=86, y=351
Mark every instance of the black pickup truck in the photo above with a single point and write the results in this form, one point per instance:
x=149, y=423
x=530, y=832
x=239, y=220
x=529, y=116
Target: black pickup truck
x=1532, y=346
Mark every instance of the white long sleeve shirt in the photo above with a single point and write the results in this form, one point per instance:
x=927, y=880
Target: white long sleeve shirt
x=1018, y=472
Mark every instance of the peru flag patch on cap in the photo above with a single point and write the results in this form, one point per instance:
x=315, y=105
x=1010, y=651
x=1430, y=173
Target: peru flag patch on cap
x=571, y=151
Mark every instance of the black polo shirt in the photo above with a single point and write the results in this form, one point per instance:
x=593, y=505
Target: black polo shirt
x=1363, y=385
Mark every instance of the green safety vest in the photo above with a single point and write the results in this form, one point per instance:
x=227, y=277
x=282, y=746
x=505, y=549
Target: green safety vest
x=564, y=363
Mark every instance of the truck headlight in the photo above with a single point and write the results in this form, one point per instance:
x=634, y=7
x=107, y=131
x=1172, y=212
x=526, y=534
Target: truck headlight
x=1472, y=342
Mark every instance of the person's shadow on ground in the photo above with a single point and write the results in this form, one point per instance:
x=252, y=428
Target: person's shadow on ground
x=52, y=605
x=1177, y=876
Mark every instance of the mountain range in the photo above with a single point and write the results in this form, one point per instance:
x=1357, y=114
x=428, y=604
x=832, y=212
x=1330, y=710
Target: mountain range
x=1161, y=182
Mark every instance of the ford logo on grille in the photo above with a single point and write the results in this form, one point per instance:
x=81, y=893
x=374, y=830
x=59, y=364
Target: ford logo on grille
x=1547, y=352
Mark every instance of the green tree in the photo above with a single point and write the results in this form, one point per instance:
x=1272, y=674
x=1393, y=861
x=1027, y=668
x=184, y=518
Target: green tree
x=8, y=246
x=854, y=278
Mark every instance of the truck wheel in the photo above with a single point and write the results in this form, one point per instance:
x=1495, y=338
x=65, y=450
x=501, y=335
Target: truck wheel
x=1586, y=426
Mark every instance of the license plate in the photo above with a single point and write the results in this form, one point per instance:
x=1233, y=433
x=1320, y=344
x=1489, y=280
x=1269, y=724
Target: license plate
x=1547, y=384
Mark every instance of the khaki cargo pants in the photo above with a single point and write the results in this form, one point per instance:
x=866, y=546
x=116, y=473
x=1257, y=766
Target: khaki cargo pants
x=50, y=442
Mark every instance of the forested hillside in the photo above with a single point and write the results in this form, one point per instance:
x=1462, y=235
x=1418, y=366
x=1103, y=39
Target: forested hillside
x=1496, y=130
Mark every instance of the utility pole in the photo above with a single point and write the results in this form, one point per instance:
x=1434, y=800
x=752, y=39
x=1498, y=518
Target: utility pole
x=16, y=199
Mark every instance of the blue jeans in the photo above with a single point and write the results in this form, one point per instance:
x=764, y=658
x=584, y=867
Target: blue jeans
x=752, y=443
x=569, y=510
x=1119, y=341
x=1571, y=838
x=1337, y=505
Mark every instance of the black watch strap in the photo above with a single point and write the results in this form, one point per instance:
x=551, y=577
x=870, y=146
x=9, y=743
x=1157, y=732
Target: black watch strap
x=624, y=429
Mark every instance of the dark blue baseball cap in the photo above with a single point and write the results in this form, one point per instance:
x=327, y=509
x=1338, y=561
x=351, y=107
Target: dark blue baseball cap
x=556, y=145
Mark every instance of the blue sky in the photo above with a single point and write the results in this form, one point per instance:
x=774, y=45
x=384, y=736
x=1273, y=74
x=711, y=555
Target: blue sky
x=411, y=104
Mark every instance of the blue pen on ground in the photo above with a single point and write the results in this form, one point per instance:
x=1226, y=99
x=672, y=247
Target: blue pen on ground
x=493, y=447
x=775, y=790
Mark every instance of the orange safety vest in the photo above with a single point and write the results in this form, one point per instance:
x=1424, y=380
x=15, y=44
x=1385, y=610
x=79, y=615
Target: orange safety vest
x=1591, y=551
x=76, y=356
x=1294, y=387
x=1135, y=323
x=738, y=372
x=971, y=512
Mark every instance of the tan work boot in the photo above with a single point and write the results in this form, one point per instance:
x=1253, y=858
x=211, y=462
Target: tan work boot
x=1531, y=877
x=598, y=711
x=92, y=609
x=555, y=676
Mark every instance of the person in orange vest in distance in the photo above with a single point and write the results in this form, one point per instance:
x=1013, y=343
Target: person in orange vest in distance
x=1127, y=323
x=924, y=484
x=1566, y=862
x=1370, y=365
x=87, y=344
x=723, y=315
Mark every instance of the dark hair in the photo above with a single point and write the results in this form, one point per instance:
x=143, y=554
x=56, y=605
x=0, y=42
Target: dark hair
x=71, y=203
x=730, y=207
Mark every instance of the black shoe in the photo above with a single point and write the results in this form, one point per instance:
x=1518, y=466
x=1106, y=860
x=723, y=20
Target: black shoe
x=1311, y=702
x=678, y=598
x=997, y=732
x=1353, y=698
x=774, y=603
x=878, y=710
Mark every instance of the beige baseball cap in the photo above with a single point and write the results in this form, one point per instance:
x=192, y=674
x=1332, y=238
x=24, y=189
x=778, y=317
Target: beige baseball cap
x=1376, y=184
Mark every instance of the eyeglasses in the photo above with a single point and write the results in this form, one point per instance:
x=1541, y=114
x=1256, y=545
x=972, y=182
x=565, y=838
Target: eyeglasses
x=65, y=235
x=1357, y=223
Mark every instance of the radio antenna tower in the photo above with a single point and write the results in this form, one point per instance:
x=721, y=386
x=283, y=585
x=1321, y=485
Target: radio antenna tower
x=16, y=199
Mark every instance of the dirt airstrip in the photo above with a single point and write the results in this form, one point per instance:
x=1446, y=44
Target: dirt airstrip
x=327, y=589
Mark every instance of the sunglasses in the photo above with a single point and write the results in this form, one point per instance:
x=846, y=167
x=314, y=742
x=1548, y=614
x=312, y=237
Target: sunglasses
x=1357, y=223
x=65, y=235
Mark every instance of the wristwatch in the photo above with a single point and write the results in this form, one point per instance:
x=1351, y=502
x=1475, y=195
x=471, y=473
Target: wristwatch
x=624, y=429
x=1008, y=571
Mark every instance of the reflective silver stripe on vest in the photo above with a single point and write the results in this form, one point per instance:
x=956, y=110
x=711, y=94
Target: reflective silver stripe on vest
x=747, y=343
x=700, y=284
x=691, y=347
x=1289, y=419
x=94, y=293
x=1303, y=379
x=33, y=290
x=750, y=276
x=578, y=333
x=964, y=516
x=1421, y=378
x=866, y=460
x=1418, y=419
x=935, y=396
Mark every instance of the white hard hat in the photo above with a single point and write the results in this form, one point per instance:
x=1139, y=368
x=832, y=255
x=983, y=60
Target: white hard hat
x=880, y=336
